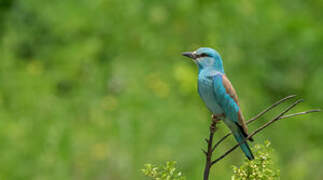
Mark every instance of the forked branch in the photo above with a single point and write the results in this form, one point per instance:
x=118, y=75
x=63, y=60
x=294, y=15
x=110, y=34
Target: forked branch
x=209, y=163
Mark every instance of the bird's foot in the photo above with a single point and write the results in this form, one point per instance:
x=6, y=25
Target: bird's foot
x=217, y=117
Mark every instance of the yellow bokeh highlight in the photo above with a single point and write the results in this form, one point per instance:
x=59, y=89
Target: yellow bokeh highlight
x=109, y=103
x=35, y=67
x=186, y=78
x=100, y=151
x=158, y=86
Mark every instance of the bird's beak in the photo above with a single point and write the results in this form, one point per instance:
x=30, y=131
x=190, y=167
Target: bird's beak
x=189, y=54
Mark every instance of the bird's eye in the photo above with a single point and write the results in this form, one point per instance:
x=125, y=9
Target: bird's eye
x=203, y=55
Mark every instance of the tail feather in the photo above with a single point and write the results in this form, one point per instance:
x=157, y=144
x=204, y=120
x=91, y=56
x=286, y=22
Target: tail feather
x=244, y=146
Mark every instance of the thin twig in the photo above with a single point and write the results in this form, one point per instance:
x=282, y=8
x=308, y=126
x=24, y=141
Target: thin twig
x=256, y=117
x=270, y=108
x=300, y=113
x=204, y=151
x=258, y=130
x=209, y=151
x=283, y=117
x=219, y=142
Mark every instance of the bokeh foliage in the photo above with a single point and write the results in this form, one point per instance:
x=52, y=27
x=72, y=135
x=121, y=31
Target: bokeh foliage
x=95, y=89
x=165, y=172
x=261, y=168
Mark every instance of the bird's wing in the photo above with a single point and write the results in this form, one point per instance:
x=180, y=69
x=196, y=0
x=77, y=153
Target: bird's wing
x=228, y=100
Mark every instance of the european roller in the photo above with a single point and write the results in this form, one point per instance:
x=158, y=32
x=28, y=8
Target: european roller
x=216, y=91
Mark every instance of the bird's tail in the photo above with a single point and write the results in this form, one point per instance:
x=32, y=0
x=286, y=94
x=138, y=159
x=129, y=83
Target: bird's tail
x=244, y=146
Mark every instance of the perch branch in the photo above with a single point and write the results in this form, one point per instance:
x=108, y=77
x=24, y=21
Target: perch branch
x=300, y=113
x=259, y=115
x=270, y=108
x=208, y=153
x=258, y=130
x=282, y=117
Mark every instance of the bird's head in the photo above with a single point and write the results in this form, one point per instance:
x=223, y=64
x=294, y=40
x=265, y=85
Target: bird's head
x=206, y=58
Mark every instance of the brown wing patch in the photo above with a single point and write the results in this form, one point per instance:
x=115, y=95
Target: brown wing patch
x=229, y=88
x=231, y=91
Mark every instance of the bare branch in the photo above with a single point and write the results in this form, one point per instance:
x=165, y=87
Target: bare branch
x=220, y=141
x=283, y=117
x=270, y=108
x=258, y=130
x=300, y=113
x=209, y=151
x=209, y=163
x=204, y=151
x=257, y=117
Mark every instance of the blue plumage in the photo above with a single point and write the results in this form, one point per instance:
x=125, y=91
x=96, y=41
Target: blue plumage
x=218, y=94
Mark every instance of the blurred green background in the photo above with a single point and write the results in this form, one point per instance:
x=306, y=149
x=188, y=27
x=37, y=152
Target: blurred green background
x=95, y=89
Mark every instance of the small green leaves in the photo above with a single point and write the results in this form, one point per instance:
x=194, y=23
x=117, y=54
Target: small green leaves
x=167, y=172
x=261, y=168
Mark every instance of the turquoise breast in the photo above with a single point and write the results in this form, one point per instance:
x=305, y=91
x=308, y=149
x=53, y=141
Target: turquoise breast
x=205, y=89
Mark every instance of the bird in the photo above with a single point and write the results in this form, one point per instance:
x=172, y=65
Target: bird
x=218, y=94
